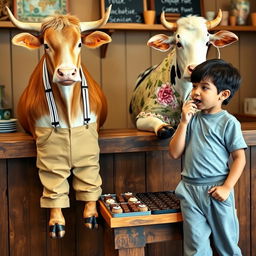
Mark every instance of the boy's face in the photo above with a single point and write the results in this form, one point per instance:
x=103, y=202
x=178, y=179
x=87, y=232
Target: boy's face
x=206, y=97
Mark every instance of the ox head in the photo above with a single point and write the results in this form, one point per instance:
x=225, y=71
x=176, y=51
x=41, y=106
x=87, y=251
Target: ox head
x=62, y=39
x=191, y=40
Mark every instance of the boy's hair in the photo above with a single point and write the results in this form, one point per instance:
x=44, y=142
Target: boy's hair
x=222, y=74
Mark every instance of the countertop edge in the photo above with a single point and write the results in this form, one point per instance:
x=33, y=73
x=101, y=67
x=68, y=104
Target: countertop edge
x=22, y=145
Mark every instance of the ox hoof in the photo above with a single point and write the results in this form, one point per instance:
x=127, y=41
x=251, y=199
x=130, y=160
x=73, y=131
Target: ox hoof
x=165, y=132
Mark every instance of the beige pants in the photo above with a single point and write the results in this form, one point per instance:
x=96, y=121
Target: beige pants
x=61, y=151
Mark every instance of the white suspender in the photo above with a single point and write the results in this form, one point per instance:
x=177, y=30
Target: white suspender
x=50, y=100
x=51, y=103
x=85, y=97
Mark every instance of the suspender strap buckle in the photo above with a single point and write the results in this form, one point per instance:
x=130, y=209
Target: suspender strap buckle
x=55, y=124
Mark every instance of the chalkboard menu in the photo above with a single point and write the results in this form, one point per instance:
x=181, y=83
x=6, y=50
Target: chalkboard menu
x=183, y=7
x=124, y=11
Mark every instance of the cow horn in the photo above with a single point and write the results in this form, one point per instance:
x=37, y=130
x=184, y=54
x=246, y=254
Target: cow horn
x=213, y=23
x=23, y=25
x=95, y=24
x=168, y=25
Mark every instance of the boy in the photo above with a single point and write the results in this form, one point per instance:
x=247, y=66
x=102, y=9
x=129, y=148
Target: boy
x=207, y=135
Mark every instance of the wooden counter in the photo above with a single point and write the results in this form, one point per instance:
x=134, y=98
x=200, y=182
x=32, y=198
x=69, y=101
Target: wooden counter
x=20, y=145
x=130, y=161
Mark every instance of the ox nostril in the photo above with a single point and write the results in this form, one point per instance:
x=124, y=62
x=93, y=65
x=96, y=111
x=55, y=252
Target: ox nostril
x=191, y=68
x=74, y=72
x=60, y=73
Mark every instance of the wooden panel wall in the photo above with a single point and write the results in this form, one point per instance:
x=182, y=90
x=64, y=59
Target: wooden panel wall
x=127, y=56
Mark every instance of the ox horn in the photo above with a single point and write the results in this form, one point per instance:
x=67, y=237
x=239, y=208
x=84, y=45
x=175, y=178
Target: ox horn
x=213, y=23
x=95, y=24
x=23, y=25
x=168, y=25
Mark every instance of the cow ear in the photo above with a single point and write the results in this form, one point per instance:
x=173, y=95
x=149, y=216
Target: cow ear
x=161, y=42
x=26, y=40
x=223, y=38
x=96, y=39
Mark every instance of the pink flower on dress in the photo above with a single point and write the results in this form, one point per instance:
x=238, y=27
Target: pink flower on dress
x=165, y=96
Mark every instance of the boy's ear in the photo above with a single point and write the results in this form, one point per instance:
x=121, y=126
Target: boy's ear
x=224, y=94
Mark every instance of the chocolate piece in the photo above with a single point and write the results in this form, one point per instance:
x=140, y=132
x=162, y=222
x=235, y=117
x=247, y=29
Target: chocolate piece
x=160, y=202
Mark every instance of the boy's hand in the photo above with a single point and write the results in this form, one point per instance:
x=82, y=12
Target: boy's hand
x=220, y=193
x=188, y=110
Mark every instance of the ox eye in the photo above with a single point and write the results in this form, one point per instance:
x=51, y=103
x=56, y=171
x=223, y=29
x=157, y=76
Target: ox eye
x=80, y=45
x=46, y=46
x=179, y=45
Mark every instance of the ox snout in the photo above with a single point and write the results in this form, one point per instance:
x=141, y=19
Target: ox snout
x=191, y=68
x=188, y=71
x=66, y=75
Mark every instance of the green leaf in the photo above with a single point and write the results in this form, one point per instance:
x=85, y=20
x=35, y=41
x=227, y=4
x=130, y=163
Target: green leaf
x=159, y=83
x=142, y=102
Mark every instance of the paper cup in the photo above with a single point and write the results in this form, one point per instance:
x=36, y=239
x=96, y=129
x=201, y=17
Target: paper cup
x=149, y=16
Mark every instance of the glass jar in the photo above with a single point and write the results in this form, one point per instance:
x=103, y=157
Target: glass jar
x=240, y=9
x=5, y=110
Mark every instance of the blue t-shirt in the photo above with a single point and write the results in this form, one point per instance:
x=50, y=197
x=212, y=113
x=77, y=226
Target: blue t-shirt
x=210, y=139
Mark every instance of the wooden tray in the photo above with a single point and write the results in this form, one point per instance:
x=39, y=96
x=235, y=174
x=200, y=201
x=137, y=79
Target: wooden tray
x=138, y=220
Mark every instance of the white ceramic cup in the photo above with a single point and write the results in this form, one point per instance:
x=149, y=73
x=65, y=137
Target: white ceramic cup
x=224, y=20
x=210, y=15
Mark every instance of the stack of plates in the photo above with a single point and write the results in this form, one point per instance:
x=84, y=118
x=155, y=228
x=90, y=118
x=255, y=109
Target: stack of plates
x=8, y=125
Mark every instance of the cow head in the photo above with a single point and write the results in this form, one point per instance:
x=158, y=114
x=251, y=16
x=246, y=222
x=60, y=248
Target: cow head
x=62, y=39
x=191, y=40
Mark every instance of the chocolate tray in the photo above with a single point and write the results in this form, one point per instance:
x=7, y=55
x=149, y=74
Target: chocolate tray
x=122, y=201
x=160, y=202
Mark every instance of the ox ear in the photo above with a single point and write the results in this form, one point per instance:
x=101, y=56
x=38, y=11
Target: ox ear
x=96, y=39
x=26, y=40
x=223, y=38
x=161, y=42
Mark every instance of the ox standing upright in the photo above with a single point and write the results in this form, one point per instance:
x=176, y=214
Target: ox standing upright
x=161, y=90
x=63, y=108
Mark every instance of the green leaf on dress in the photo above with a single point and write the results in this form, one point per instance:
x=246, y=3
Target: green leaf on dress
x=159, y=83
x=142, y=102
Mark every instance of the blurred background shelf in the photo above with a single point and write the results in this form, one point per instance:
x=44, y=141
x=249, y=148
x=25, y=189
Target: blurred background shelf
x=140, y=26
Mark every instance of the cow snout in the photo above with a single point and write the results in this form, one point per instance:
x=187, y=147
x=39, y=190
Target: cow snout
x=191, y=68
x=188, y=70
x=66, y=75
x=68, y=72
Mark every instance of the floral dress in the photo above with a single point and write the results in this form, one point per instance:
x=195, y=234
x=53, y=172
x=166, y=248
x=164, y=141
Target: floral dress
x=155, y=96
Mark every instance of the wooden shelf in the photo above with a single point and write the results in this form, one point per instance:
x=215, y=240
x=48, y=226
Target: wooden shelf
x=112, y=27
x=6, y=24
x=145, y=27
x=140, y=26
x=132, y=26
x=236, y=28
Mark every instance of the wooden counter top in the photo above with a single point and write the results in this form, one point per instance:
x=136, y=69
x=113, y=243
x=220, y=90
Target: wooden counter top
x=20, y=145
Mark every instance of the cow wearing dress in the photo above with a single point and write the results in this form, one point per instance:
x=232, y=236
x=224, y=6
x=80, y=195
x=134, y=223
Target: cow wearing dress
x=161, y=90
x=63, y=108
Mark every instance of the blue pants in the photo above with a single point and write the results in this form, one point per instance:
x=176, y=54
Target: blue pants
x=204, y=216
